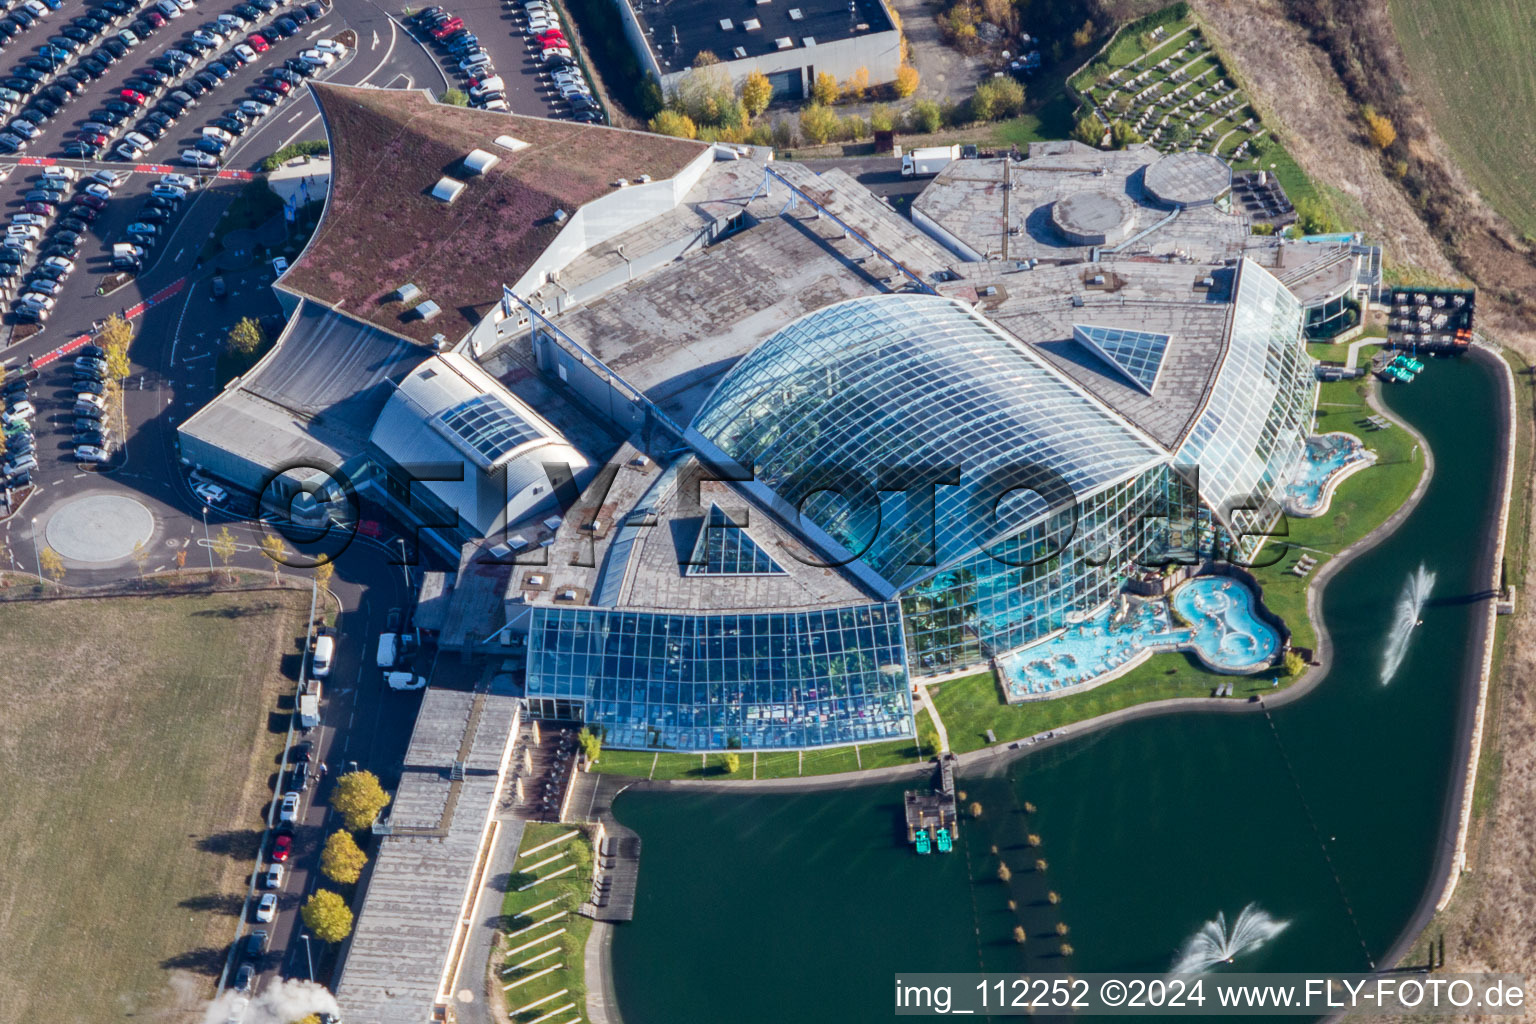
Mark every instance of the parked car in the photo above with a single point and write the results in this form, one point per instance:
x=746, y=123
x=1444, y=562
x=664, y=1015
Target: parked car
x=273, y=879
x=266, y=907
x=288, y=811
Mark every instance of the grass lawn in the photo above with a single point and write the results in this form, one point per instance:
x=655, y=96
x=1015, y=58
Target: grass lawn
x=1470, y=61
x=139, y=738
x=775, y=764
x=568, y=891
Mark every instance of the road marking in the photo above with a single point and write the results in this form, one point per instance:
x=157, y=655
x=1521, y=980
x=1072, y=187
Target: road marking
x=375, y=44
x=296, y=115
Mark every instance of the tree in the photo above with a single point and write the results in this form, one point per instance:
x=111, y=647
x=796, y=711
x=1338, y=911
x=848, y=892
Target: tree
x=824, y=89
x=651, y=99
x=245, y=337
x=342, y=860
x=706, y=94
x=997, y=98
x=1379, y=129
x=359, y=798
x=454, y=97
x=181, y=558
x=705, y=58
x=274, y=548
x=732, y=763
x=1313, y=217
x=327, y=915
x=1295, y=664
x=856, y=85
x=756, y=92
x=591, y=744
x=907, y=80
x=1122, y=135
x=670, y=122
x=225, y=546
x=818, y=123
x=881, y=118
x=1083, y=36
x=1180, y=133
x=323, y=573
x=52, y=564
x=1089, y=130
x=140, y=556
x=925, y=117
x=1019, y=935
x=118, y=365
x=114, y=337
x=975, y=809
x=1004, y=873
x=1065, y=948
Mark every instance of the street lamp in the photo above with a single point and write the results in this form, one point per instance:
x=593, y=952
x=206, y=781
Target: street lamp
x=308, y=955
x=208, y=542
x=36, y=553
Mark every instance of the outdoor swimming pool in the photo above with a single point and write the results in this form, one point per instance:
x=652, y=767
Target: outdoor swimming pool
x=1088, y=649
x=1228, y=635
x=1328, y=459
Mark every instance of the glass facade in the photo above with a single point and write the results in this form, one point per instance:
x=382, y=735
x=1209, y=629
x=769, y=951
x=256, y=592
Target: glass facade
x=716, y=682
x=725, y=549
x=854, y=413
x=1258, y=414
x=1026, y=588
x=1136, y=354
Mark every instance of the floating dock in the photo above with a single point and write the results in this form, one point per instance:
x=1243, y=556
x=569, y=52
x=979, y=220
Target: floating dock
x=933, y=820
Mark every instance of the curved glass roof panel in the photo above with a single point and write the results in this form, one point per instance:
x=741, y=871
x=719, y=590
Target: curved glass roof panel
x=1255, y=421
x=1136, y=354
x=488, y=427
x=912, y=432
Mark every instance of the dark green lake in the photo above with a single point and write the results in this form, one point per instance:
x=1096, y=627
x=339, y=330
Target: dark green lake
x=769, y=908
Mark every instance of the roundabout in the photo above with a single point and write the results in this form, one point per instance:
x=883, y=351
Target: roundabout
x=99, y=528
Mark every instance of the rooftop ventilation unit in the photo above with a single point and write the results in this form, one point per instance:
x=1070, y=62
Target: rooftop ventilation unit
x=561, y=216
x=426, y=311
x=405, y=293
x=508, y=142
x=739, y=53
x=726, y=24
x=479, y=161
x=808, y=41
x=784, y=43
x=439, y=342
x=621, y=183
x=751, y=24
x=644, y=179
x=447, y=189
x=795, y=14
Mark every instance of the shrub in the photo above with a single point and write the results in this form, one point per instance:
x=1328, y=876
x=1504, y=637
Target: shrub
x=925, y=117
x=856, y=85
x=245, y=337
x=1122, y=135
x=881, y=118
x=1089, y=130
x=454, y=97
x=732, y=763
x=309, y=147
x=1083, y=36
x=783, y=135
x=1379, y=129
x=853, y=128
x=670, y=122
x=997, y=98
x=818, y=123
x=1313, y=217
x=907, y=80
x=824, y=88
x=1295, y=664
x=756, y=93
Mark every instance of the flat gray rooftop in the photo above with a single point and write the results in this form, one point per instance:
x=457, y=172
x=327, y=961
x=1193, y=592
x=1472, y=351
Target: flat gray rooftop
x=1036, y=306
x=675, y=332
x=968, y=200
x=1188, y=179
x=424, y=870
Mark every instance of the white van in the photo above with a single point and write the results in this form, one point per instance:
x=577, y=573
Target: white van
x=389, y=650
x=325, y=651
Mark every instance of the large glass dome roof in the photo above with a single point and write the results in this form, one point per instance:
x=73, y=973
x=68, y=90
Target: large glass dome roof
x=851, y=413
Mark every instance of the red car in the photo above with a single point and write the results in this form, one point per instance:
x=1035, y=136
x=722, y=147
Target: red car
x=94, y=202
x=276, y=85
x=93, y=138
x=447, y=28
x=155, y=18
x=554, y=35
x=258, y=42
x=45, y=209
x=545, y=45
x=282, y=846
x=138, y=99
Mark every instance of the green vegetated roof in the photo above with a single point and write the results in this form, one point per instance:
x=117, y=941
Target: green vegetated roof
x=382, y=228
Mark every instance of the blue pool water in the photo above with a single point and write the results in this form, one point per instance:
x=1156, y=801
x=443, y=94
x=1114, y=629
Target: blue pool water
x=1326, y=456
x=1099, y=644
x=1228, y=635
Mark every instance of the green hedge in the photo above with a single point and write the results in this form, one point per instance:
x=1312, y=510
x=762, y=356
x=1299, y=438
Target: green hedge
x=310, y=147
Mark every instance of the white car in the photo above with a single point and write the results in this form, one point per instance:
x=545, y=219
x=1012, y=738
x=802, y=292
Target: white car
x=89, y=453
x=232, y=21
x=280, y=266
x=498, y=105
x=266, y=908
x=254, y=108
x=208, y=37
x=181, y=181
x=90, y=399
x=245, y=53
x=34, y=219
x=492, y=84
x=469, y=65
x=332, y=47
x=60, y=171
x=404, y=681
x=23, y=410
x=128, y=150
x=36, y=8
x=318, y=57
x=111, y=179
x=273, y=879
x=210, y=132
x=23, y=231
x=288, y=812
x=197, y=158
x=212, y=494
x=64, y=264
